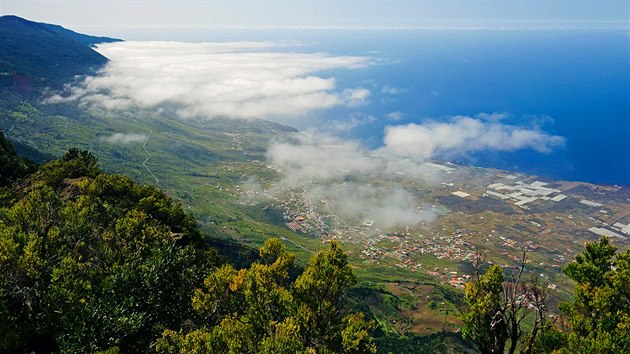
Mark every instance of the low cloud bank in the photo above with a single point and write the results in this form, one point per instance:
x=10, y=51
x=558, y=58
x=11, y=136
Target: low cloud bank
x=361, y=182
x=265, y=80
x=234, y=80
x=385, y=207
x=318, y=157
x=463, y=135
x=348, y=176
x=120, y=138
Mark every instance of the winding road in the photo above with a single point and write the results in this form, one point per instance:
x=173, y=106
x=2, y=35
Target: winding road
x=144, y=163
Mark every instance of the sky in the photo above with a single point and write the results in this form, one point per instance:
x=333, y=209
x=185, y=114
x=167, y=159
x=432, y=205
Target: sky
x=150, y=20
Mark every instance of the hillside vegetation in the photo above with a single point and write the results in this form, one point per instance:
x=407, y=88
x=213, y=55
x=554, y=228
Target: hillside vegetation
x=508, y=314
x=91, y=261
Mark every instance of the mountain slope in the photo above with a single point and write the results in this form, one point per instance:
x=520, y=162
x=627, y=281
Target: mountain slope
x=13, y=166
x=36, y=54
x=84, y=39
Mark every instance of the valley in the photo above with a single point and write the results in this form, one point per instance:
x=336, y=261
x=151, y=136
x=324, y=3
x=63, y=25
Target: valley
x=218, y=170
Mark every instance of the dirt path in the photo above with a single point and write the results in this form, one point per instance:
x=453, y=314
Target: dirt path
x=144, y=163
x=283, y=238
x=226, y=212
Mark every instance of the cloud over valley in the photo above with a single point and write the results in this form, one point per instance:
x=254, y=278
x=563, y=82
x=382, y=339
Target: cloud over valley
x=125, y=138
x=232, y=79
x=267, y=80
x=374, y=184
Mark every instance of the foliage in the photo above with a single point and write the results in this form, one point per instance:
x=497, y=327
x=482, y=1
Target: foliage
x=320, y=293
x=498, y=308
x=592, y=265
x=11, y=165
x=549, y=340
x=484, y=323
x=597, y=321
x=259, y=310
x=94, y=262
x=599, y=317
x=355, y=336
x=438, y=342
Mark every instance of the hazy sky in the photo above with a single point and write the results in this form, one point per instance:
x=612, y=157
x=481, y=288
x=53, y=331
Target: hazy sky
x=139, y=19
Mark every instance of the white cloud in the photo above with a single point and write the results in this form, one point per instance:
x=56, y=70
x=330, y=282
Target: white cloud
x=343, y=173
x=238, y=79
x=462, y=135
x=120, y=138
x=493, y=117
x=394, y=116
x=353, y=121
x=352, y=177
x=355, y=97
x=392, y=90
x=320, y=158
x=387, y=207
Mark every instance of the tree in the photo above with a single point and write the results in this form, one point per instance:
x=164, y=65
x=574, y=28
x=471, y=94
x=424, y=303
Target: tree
x=259, y=310
x=91, y=261
x=355, y=336
x=12, y=166
x=497, y=308
x=484, y=322
x=320, y=291
x=599, y=316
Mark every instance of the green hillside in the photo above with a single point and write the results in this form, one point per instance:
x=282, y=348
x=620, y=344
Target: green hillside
x=201, y=164
x=91, y=261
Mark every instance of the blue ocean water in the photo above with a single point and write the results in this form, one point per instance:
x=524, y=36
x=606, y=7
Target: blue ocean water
x=575, y=84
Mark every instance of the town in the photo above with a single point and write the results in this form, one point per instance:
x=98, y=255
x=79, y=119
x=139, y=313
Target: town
x=477, y=212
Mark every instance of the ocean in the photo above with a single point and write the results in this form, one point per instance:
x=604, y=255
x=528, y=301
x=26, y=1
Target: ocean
x=575, y=84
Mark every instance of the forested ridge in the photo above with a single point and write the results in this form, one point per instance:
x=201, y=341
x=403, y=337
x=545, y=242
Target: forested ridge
x=91, y=262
